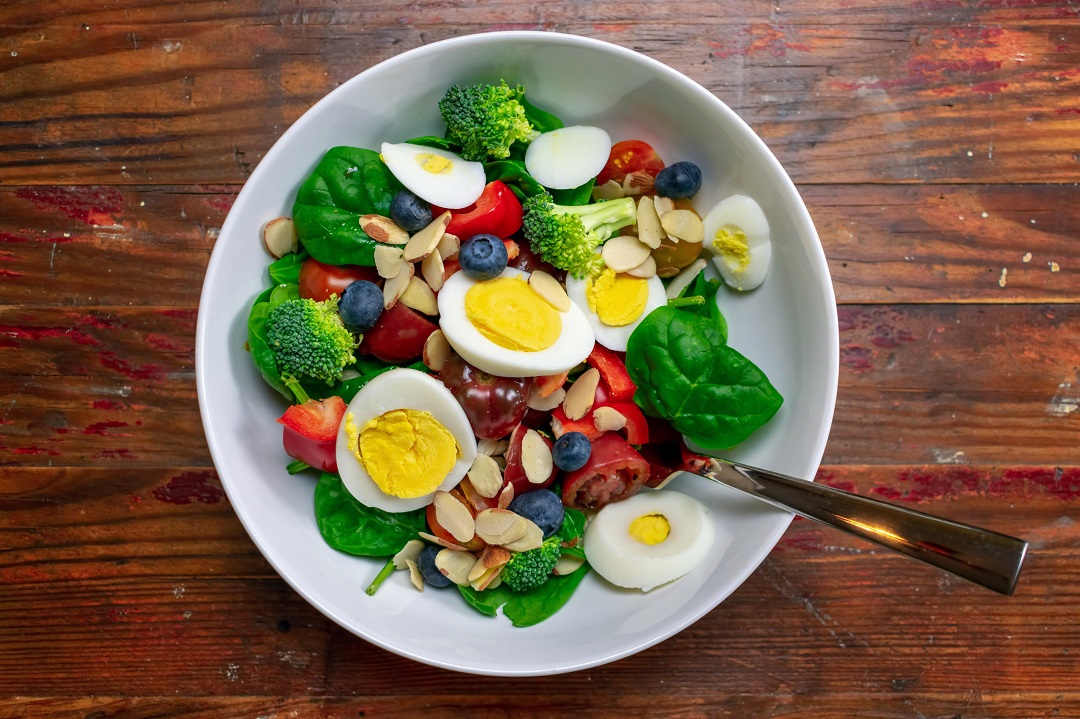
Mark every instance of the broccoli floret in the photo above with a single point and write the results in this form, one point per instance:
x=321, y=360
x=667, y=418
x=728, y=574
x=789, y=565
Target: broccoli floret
x=309, y=340
x=485, y=119
x=528, y=570
x=567, y=237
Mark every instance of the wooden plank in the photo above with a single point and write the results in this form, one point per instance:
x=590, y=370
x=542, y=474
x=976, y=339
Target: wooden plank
x=953, y=95
x=884, y=243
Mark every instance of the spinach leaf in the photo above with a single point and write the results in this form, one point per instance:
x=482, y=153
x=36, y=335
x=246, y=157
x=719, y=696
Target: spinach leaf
x=283, y=293
x=529, y=608
x=353, y=527
x=261, y=353
x=541, y=120
x=488, y=601
x=348, y=389
x=686, y=374
x=431, y=141
x=516, y=177
x=577, y=196
x=573, y=525
x=287, y=269
x=347, y=183
x=702, y=286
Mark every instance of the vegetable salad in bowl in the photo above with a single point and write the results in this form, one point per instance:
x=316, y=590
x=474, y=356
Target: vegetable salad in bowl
x=496, y=343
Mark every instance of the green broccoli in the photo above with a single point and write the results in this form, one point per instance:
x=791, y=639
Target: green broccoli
x=567, y=237
x=485, y=120
x=528, y=570
x=309, y=340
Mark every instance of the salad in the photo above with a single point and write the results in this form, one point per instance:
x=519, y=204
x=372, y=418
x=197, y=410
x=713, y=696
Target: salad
x=499, y=342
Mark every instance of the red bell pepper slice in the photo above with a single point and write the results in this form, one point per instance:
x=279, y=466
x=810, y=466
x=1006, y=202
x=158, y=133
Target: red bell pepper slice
x=310, y=431
x=496, y=212
x=514, y=473
x=613, y=373
x=546, y=384
x=615, y=471
x=636, y=429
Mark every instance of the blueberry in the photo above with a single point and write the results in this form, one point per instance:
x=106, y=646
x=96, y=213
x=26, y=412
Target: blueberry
x=683, y=179
x=483, y=257
x=409, y=212
x=426, y=564
x=571, y=451
x=360, y=306
x=542, y=507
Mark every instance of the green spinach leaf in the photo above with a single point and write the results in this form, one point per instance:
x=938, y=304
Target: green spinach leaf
x=541, y=120
x=530, y=608
x=515, y=176
x=577, y=196
x=283, y=293
x=702, y=286
x=286, y=271
x=488, y=601
x=573, y=525
x=431, y=141
x=686, y=374
x=348, y=389
x=353, y=527
x=347, y=183
x=261, y=353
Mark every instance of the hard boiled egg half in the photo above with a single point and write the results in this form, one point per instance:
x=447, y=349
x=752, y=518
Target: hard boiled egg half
x=504, y=327
x=738, y=232
x=648, y=540
x=439, y=176
x=404, y=436
x=615, y=303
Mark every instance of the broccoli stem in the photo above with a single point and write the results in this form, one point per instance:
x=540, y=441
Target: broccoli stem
x=294, y=384
x=603, y=218
x=687, y=301
x=386, y=571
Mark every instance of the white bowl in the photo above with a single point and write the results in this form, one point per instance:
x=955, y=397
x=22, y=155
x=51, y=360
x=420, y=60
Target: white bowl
x=788, y=327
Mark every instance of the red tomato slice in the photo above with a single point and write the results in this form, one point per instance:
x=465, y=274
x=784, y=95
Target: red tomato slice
x=318, y=280
x=630, y=156
x=398, y=336
x=615, y=471
x=496, y=212
x=310, y=433
x=514, y=473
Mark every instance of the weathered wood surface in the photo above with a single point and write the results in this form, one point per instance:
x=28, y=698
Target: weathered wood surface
x=935, y=144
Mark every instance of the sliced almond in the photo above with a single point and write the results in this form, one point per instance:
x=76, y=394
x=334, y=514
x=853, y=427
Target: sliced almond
x=550, y=289
x=383, y=229
x=492, y=447
x=388, y=261
x=506, y=496
x=557, y=428
x=279, y=236
x=486, y=477
x=454, y=517
x=533, y=538
x=423, y=242
x=663, y=204
x=536, y=457
x=436, y=351
x=684, y=278
x=432, y=268
x=610, y=190
x=419, y=297
x=455, y=566
x=683, y=225
x=567, y=564
x=477, y=570
x=441, y=542
x=581, y=395
x=608, y=419
x=645, y=270
x=414, y=574
x=448, y=245
x=637, y=183
x=410, y=551
x=488, y=580
x=499, y=526
x=624, y=253
x=494, y=556
x=395, y=287
x=545, y=403
x=649, y=229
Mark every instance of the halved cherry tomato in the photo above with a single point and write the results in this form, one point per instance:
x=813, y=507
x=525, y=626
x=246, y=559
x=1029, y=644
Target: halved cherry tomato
x=630, y=156
x=496, y=212
x=473, y=545
x=398, y=336
x=615, y=471
x=310, y=431
x=318, y=280
x=613, y=373
x=514, y=473
x=547, y=384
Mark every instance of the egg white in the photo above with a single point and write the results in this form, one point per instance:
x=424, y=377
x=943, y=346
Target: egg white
x=403, y=389
x=574, y=344
x=615, y=338
x=625, y=562
x=459, y=187
x=746, y=214
x=568, y=157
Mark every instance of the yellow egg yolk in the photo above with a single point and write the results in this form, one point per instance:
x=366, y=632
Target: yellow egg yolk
x=510, y=313
x=435, y=164
x=650, y=529
x=617, y=300
x=407, y=452
x=730, y=242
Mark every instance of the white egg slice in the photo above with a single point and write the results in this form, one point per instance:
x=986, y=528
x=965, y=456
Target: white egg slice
x=740, y=214
x=627, y=562
x=438, y=176
x=568, y=157
x=403, y=389
x=573, y=345
x=615, y=337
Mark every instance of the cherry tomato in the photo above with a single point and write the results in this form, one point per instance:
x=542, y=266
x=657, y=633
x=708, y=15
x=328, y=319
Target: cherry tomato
x=473, y=545
x=672, y=256
x=494, y=405
x=398, y=336
x=615, y=471
x=496, y=212
x=310, y=431
x=630, y=156
x=528, y=261
x=318, y=280
x=515, y=473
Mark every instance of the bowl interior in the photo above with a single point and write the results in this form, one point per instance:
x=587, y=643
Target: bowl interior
x=788, y=327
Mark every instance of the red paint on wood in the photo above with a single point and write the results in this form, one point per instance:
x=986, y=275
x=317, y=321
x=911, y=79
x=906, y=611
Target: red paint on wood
x=857, y=359
x=34, y=334
x=103, y=427
x=1060, y=483
x=116, y=454
x=885, y=335
x=107, y=404
x=146, y=371
x=190, y=487
x=10, y=273
x=34, y=450
x=92, y=205
x=991, y=88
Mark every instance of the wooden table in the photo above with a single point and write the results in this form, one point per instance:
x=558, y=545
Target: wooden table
x=937, y=145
